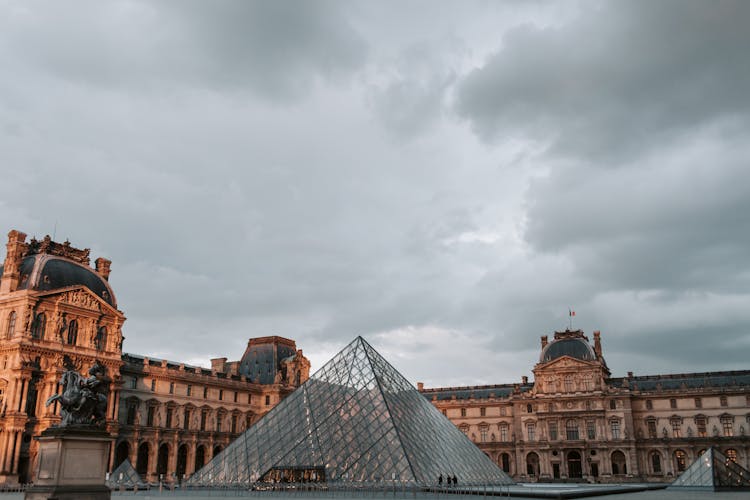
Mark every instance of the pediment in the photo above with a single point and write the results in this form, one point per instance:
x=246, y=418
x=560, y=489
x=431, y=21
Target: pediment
x=566, y=362
x=81, y=296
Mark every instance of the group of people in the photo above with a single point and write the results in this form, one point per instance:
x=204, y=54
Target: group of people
x=448, y=480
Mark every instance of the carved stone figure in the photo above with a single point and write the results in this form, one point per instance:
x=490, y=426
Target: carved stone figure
x=83, y=401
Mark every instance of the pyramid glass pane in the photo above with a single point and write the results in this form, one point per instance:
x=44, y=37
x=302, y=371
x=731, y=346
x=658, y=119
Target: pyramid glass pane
x=713, y=470
x=126, y=476
x=356, y=420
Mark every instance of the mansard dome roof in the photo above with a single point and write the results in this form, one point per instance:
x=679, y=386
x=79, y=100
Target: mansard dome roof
x=575, y=347
x=45, y=272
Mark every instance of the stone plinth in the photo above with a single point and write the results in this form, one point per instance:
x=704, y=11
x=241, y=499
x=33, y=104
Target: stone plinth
x=71, y=465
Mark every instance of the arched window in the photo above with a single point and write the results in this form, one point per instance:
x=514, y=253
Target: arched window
x=162, y=459
x=72, y=332
x=571, y=430
x=200, y=457
x=142, y=459
x=680, y=460
x=619, y=464
x=121, y=453
x=532, y=464
x=731, y=454
x=655, y=462
x=11, y=325
x=505, y=462
x=38, y=326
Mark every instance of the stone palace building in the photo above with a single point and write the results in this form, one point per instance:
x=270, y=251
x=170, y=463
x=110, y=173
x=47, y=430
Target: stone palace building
x=576, y=422
x=168, y=418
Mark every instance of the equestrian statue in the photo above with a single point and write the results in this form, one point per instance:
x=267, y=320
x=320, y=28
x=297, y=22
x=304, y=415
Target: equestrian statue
x=83, y=401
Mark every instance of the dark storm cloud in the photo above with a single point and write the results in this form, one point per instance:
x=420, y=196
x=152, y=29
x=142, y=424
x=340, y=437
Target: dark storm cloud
x=622, y=78
x=278, y=49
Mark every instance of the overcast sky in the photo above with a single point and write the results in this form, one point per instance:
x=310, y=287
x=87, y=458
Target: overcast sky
x=443, y=178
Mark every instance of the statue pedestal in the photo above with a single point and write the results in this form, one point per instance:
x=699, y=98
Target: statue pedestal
x=71, y=465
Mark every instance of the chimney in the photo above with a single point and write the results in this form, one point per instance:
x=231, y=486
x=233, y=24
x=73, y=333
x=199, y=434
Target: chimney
x=420, y=386
x=544, y=341
x=598, y=343
x=630, y=374
x=218, y=364
x=16, y=248
x=525, y=380
x=102, y=267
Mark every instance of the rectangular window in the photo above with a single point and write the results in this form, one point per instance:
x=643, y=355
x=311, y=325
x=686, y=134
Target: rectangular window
x=249, y=399
x=171, y=387
x=723, y=401
x=221, y=394
x=571, y=430
x=676, y=427
x=445, y=412
x=698, y=403
x=189, y=390
x=651, y=424
x=168, y=423
x=132, y=409
x=530, y=431
x=463, y=412
x=150, y=416
x=134, y=383
x=649, y=404
x=203, y=420
x=552, y=428
x=482, y=412
x=235, y=396
x=268, y=400
x=700, y=424
x=218, y=423
x=591, y=429
x=727, y=427
x=614, y=426
x=153, y=385
x=673, y=403
x=234, y=424
x=504, y=433
x=205, y=393
x=186, y=420
x=483, y=433
x=502, y=411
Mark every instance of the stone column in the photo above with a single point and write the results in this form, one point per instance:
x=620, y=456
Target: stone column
x=24, y=394
x=16, y=450
x=4, y=447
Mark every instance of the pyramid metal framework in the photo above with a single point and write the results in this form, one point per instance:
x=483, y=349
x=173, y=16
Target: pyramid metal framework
x=356, y=420
x=126, y=476
x=713, y=471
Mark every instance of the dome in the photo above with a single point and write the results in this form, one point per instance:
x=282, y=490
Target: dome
x=574, y=347
x=44, y=272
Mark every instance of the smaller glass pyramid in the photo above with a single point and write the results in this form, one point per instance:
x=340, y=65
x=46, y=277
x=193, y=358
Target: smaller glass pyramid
x=126, y=476
x=714, y=471
x=356, y=421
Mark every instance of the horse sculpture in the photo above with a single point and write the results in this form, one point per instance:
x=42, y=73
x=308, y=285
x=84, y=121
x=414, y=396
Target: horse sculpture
x=83, y=400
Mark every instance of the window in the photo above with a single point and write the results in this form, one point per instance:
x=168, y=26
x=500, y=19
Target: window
x=204, y=417
x=649, y=404
x=482, y=412
x=235, y=396
x=651, y=425
x=612, y=404
x=680, y=459
x=168, y=423
x=38, y=326
x=502, y=411
x=153, y=385
x=234, y=424
x=268, y=400
x=676, y=426
x=529, y=409
x=483, y=432
x=134, y=383
x=723, y=401
x=550, y=407
x=100, y=340
x=218, y=422
x=463, y=412
x=171, y=387
x=698, y=403
x=132, y=408
x=590, y=429
x=655, y=462
x=503, y=432
x=571, y=430
x=552, y=430
x=588, y=383
x=614, y=426
x=673, y=403
x=11, y=325
x=445, y=413
x=726, y=425
x=189, y=390
x=150, y=416
x=530, y=431
x=464, y=428
x=72, y=332
x=249, y=399
x=221, y=394
x=731, y=454
x=186, y=419
x=700, y=424
x=588, y=404
x=568, y=380
x=205, y=393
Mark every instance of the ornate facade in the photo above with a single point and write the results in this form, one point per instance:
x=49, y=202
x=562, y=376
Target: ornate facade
x=575, y=422
x=167, y=418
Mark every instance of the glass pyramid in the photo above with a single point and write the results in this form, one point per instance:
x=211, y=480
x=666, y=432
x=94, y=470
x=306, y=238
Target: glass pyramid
x=126, y=476
x=356, y=420
x=713, y=470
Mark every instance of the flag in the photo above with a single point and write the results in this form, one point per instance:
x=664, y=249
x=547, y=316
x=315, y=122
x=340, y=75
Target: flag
x=571, y=312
